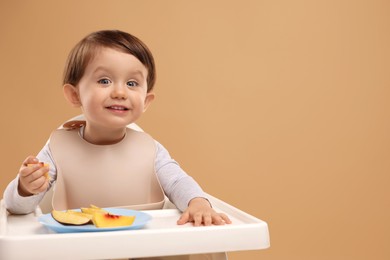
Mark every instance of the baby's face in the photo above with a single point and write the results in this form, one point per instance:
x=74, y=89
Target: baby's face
x=113, y=90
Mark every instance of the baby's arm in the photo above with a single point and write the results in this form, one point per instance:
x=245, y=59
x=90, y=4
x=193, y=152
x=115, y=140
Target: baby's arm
x=185, y=192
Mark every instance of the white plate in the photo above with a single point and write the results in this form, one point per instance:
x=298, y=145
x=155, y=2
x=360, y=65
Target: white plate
x=140, y=220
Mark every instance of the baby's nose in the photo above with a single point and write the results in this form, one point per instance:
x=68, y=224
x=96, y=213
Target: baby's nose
x=119, y=92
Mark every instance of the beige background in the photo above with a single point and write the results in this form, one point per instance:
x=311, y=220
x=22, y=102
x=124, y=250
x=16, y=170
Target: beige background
x=280, y=108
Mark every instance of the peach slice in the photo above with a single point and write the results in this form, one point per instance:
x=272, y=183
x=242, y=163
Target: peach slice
x=103, y=220
x=69, y=218
x=78, y=213
x=92, y=210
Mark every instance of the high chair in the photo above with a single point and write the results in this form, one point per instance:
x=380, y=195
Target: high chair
x=161, y=237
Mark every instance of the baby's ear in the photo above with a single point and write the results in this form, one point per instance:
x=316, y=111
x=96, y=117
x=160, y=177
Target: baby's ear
x=148, y=100
x=71, y=94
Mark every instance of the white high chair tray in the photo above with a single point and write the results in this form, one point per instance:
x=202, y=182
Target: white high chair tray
x=23, y=237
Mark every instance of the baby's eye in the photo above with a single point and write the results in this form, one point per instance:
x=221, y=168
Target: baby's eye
x=104, y=81
x=132, y=84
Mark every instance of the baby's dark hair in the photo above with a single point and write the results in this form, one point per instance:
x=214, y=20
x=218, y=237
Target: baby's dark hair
x=86, y=49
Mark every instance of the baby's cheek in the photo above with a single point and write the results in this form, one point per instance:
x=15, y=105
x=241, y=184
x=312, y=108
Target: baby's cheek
x=139, y=104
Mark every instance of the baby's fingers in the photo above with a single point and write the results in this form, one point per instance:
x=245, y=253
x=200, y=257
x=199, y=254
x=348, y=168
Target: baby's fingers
x=199, y=219
x=25, y=170
x=30, y=160
x=221, y=219
x=207, y=219
x=184, y=218
x=225, y=218
x=39, y=185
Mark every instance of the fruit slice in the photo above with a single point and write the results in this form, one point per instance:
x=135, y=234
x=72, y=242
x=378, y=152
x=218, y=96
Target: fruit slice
x=42, y=164
x=103, y=220
x=92, y=210
x=81, y=214
x=69, y=218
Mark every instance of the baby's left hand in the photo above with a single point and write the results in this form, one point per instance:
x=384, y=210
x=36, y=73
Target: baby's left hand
x=200, y=212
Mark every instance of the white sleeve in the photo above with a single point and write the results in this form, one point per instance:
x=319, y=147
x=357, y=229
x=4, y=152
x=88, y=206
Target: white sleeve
x=179, y=187
x=23, y=205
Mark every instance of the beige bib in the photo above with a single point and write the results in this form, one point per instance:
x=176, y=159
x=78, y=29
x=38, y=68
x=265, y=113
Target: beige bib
x=118, y=175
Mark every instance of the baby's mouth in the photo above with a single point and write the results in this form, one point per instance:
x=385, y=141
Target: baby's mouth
x=120, y=108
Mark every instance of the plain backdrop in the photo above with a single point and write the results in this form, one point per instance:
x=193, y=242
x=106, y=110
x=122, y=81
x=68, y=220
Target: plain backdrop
x=280, y=108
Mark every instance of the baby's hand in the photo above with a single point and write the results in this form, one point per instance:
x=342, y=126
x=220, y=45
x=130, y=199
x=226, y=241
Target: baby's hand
x=32, y=177
x=200, y=212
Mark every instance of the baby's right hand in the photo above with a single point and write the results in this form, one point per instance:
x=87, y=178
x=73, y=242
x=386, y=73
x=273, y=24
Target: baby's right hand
x=32, y=177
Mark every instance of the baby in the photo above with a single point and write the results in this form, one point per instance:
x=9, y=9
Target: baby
x=110, y=75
